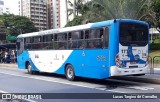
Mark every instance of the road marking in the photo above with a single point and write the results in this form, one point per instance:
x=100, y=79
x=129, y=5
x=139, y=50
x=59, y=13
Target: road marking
x=2, y=91
x=66, y=83
x=140, y=88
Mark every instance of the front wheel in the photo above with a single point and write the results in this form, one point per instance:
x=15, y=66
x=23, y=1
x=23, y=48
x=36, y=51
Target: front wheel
x=29, y=68
x=70, y=74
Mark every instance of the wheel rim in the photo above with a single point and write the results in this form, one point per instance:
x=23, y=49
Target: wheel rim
x=70, y=73
x=29, y=68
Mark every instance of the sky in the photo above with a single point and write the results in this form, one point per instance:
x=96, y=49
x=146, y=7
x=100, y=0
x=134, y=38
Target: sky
x=13, y=5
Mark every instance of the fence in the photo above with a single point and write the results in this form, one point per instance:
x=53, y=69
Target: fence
x=154, y=63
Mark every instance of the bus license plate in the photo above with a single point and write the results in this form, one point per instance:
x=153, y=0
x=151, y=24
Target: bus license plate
x=132, y=62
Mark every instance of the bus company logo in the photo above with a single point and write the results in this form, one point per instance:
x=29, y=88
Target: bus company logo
x=36, y=56
x=6, y=96
x=62, y=57
x=56, y=57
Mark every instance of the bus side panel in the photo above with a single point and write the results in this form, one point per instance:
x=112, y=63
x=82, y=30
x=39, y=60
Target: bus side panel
x=113, y=43
x=21, y=60
x=88, y=63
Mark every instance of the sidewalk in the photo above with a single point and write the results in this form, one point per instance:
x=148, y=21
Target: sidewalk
x=8, y=65
x=148, y=78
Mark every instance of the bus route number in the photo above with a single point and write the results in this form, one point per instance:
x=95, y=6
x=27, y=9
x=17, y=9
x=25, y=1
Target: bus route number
x=101, y=58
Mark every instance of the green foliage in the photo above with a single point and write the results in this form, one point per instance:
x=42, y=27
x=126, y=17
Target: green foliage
x=154, y=46
x=100, y=10
x=156, y=7
x=17, y=24
x=76, y=21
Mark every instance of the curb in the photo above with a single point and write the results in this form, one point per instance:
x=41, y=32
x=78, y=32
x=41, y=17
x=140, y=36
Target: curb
x=8, y=65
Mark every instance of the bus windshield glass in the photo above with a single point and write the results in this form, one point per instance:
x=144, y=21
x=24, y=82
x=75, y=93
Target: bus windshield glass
x=133, y=34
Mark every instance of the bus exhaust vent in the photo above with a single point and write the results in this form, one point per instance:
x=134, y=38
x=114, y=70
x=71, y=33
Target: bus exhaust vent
x=133, y=66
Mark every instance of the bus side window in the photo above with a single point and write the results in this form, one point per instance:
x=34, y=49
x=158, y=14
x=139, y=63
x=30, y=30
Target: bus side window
x=94, y=39
x=27, y=43
x=36, y=43
x=47, y=42
x=87, y=34
x=20, y=45
x=106, y=37
x=62, y=41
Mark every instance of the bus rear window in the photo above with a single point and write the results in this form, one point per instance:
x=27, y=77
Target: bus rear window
x=133, y=34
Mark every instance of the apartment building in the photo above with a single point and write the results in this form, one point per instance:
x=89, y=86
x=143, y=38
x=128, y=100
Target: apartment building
x=57, y=12
x=36, y=10
x=3, y=8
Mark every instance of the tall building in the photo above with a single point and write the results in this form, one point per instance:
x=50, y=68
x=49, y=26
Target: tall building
x=57, y=12
x=3, y=8
x=36, y=10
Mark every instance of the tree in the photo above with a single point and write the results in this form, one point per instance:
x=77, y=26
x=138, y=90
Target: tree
x=124, y=9
x=17, y=24
x=77, y=7
x=76, y=21
x=99, y=10
x=156, y=8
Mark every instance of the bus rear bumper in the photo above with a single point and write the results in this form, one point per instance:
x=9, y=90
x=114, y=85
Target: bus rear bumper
x=116, y=71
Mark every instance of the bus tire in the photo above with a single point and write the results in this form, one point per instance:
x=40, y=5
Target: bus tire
x=29, y=68
x=69, y=72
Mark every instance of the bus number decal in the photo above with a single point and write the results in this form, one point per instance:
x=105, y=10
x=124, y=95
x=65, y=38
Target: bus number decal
x=101, y=58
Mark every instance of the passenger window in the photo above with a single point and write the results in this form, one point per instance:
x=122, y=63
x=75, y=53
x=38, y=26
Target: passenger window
x=60, y=41
x=36, y=39
x=106, y=37
x=74, y=39
x=27, y=40
x=47, y=38
x=94, y=38
x=87, y=34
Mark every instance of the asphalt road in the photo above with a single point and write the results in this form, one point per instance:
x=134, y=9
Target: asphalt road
x=18, y=81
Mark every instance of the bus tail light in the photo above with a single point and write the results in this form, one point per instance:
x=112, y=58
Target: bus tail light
x=117, y=58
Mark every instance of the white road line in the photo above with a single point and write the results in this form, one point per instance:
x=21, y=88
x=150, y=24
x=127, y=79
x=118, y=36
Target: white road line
x=2, y=91
x=66, y=83
x=140, y=88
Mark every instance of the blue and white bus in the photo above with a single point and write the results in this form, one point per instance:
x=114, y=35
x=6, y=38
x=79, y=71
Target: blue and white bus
x=95, y=50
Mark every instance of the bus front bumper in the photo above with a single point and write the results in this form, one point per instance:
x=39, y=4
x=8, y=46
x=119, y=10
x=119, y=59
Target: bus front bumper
x=116, y=71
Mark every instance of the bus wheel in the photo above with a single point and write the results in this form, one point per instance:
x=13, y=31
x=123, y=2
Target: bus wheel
x=29, y=68
x=70, y=74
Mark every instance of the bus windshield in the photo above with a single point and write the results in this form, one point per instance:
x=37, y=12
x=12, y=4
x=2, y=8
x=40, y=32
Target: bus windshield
x=133, y=34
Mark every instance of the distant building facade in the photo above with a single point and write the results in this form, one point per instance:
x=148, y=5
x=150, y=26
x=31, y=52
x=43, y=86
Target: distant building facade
x=57, y=12
x=47, y=14
x=4, y=8
x=36, y=10
x=3, y=30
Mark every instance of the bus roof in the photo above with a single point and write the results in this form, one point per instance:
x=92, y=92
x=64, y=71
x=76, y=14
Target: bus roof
x=79, y=27
x=60, y=30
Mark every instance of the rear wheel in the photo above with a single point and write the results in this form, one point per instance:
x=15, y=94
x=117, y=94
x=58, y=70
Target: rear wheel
x=70, y=74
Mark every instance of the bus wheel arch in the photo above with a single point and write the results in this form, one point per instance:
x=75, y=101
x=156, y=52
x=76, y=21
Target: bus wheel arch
x=69, y=72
